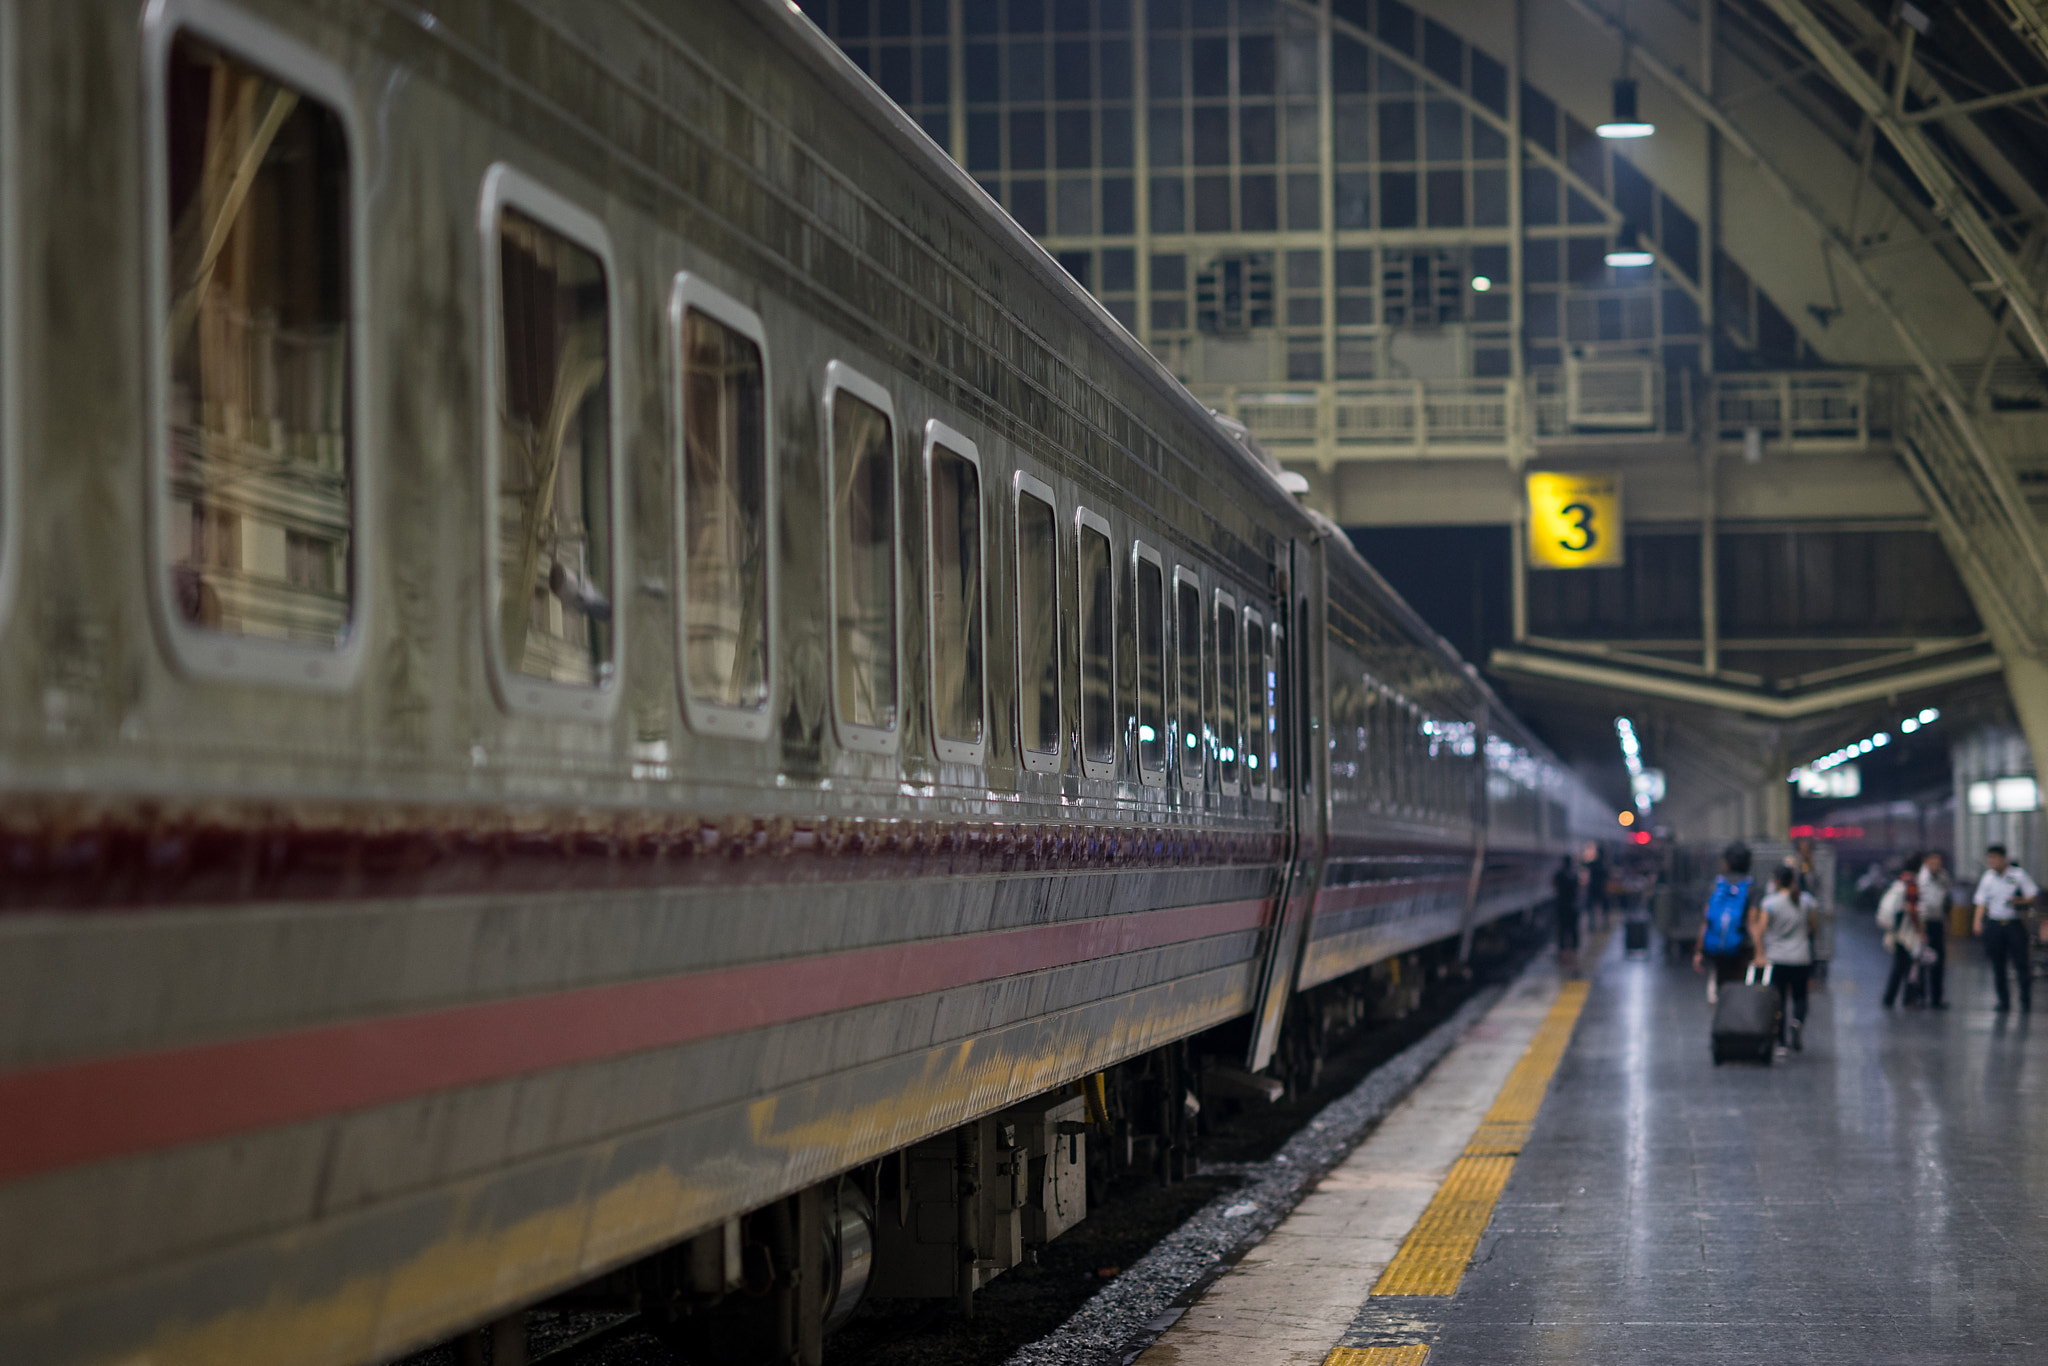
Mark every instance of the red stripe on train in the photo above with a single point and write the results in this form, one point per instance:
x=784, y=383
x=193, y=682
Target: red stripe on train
x=73, y=1113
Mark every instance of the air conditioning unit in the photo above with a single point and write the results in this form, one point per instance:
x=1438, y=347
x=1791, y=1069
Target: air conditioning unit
x=1614, y=395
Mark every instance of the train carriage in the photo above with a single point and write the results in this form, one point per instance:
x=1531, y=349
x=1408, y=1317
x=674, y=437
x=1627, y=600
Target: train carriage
x=596, y=654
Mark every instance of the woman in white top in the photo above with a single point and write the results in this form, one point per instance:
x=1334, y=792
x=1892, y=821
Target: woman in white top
x=1782, y=934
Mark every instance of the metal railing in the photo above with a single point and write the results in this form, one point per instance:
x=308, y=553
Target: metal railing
x=1795, y=409
x=1613, y=405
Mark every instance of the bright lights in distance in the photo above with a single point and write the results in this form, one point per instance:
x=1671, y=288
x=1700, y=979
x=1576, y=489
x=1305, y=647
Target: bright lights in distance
x=1625, y=130
x=1925, y=717
x=1641, y=837
x=1622, y=258
x=1647, y=784
x=1481, y=283
x=1627, y=818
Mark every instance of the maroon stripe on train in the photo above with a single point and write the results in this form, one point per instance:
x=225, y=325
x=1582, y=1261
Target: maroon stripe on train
x=73, y=1113
x=66, y=854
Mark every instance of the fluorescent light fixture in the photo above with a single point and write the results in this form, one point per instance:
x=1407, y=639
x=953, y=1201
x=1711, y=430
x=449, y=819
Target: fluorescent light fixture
x=1843, y=781
x=2015, y=794
x=1626, y=123
x=1929, y=715
x=1628, y=250
x=1480, y=284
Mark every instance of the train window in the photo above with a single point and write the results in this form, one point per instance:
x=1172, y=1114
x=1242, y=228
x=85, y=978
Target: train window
x=1187, y=624
x=1258, y=685
x=1223, y=700
x=1278, y=716
x=1098, y=647
x=861, y=420
x=550, y=447
x=724, y=598
x=1152, y=740
x=959, y=693
x=1038, y=644
x=256, y=270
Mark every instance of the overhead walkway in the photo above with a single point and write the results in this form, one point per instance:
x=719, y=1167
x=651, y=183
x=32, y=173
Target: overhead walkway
x=1874, y=1198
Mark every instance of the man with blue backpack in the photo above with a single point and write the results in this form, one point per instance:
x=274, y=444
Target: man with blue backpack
x=1724, y=932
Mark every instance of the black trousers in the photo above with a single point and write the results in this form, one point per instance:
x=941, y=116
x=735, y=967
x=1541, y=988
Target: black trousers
x=1937, y=971
x=1567, y=927
x=1790, y=979
x=2006, y=942
x=1902, y=963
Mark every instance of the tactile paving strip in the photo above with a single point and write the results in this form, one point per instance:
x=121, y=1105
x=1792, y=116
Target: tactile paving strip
x=1413, y=1355
x=1433, y=1258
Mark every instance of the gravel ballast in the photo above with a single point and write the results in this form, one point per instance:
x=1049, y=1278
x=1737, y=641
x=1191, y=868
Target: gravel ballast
x=1129, y=1313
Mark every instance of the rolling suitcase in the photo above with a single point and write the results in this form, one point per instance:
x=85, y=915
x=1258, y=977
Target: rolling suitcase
x=1746, y=1019
x=1635, y=935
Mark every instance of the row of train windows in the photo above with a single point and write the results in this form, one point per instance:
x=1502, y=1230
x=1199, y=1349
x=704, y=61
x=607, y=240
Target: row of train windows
x=260, y=267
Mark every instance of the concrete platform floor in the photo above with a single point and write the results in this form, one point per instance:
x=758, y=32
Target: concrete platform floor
x=1880, y=1197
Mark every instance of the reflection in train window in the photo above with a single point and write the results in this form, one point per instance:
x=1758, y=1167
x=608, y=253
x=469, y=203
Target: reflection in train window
x=261, y=536
x=1152, y=741
x=1038, y=650
x=1188, y=636
x=724, y=516
x=554, y=464
x=1098, y=659
x=1276, y=713
x=1223, y=703
x=956, y=605
x=863, y=562
x=1257, y=672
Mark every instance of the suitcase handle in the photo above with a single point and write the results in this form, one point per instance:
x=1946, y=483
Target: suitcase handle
x=1749, y=976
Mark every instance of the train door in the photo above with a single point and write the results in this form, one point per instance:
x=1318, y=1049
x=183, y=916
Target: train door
x=1299, y=783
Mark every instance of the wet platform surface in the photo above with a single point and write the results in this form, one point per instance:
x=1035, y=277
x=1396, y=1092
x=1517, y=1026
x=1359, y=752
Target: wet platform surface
x=1881, y=1196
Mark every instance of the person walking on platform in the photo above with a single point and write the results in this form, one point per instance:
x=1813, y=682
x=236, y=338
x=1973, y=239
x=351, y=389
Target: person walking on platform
x=1820, y=919
x=1566, y=884
x=1596, y=886
x=1898, y=915
x=1935, y=895
x=2003, y=893
x=1724, y=930
x=1779, y=929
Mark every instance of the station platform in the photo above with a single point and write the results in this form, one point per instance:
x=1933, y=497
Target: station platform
x=1880, y=1196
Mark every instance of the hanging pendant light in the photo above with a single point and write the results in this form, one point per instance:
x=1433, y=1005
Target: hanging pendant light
x=1626, y=123
x=1628, y=250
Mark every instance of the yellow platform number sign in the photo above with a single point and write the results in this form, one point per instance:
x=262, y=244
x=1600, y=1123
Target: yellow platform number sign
x=1574, y=520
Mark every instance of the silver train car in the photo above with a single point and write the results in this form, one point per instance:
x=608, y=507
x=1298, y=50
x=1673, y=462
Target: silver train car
x=603, y=667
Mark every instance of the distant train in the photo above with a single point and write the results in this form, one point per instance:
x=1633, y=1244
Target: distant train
x=605, y=671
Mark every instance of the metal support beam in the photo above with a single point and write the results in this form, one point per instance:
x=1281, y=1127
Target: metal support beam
x=1973, y=494
x=1949, y=111
x=1735, y=700
x=1952, y=203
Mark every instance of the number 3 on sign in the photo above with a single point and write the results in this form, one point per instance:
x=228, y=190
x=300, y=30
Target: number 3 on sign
x=1574, y=520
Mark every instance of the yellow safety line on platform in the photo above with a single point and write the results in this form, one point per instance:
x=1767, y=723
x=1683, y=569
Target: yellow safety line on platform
x=1413, y=1355
x=1437, y=1250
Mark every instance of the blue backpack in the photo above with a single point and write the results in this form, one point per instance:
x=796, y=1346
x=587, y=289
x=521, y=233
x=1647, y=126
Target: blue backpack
x=1725, y=910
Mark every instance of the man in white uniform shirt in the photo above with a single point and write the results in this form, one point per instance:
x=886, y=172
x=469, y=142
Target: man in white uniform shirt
x=1934, y=899
x=2003, y=894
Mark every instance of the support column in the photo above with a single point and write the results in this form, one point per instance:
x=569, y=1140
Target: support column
x=956, y=81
